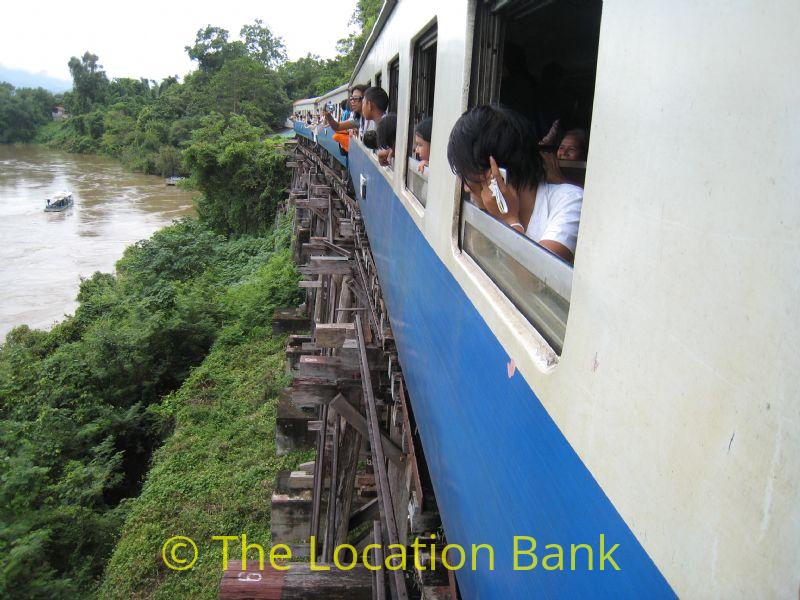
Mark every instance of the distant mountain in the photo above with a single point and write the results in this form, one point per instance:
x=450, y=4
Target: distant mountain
x=19, y=79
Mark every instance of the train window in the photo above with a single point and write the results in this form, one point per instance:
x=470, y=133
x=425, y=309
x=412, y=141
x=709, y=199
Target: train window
x=539, y=58
x=379, y=80
x=394, y=83
x=423, y=75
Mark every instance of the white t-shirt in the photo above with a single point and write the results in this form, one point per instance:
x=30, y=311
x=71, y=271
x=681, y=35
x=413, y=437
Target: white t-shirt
x=556, y=214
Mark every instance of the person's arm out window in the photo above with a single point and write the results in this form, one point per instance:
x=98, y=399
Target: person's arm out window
x=561, y=233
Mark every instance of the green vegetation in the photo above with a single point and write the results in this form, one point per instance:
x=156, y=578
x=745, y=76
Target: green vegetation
x=23, y=112
x=179, y=337
x=148, y=125
x=150, y=412
x=241, y=175
x=84, y=405
x=214, y=476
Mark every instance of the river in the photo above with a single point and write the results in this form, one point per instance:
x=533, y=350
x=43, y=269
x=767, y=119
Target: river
x=44, y=255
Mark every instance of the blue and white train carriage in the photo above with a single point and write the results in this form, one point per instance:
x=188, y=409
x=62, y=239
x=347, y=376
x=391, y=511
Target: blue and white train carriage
x=650, y=393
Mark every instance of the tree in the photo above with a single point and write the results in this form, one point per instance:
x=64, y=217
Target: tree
x=169, y=161
x=364, y=17
x=240, y=173
x=245, y=86
x=22, y=112
x=263, y=45
x=89, y=83
x=300, y=76
x=211, y=49
x=311, y=76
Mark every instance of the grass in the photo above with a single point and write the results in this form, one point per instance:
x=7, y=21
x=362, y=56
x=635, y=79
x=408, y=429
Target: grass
x=214, y=475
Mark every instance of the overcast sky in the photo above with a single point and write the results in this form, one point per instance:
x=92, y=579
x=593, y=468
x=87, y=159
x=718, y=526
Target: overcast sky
x=146, y=38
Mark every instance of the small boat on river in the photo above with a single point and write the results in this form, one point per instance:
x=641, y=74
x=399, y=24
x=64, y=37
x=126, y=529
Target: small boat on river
x=60, y=201
x=173, y=180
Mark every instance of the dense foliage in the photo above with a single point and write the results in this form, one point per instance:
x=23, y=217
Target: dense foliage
x=22, y=112
x=241, y=175
x=173, y=353
x=149, y=125
x=82, y=406
x=215, y=474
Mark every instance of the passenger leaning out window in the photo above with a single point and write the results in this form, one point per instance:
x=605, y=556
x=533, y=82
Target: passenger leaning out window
x=376, y=103
x=387, y=136
x=495, y=151
x=354, y=119
x=422, y=143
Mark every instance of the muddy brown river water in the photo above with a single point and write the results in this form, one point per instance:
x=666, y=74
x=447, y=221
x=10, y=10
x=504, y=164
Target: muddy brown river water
x=44, y=255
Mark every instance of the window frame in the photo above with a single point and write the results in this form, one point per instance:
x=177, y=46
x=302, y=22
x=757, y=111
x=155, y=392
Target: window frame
x=488, y=41
x=423, y=47
x=394, y=83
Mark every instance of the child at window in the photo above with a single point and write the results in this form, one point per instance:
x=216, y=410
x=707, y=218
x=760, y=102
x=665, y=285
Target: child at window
x=422, y=142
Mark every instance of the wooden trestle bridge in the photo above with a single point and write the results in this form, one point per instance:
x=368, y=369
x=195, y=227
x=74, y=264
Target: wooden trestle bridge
x=368, y=483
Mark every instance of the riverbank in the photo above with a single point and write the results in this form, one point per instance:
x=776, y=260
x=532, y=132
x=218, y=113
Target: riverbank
x=174, y=351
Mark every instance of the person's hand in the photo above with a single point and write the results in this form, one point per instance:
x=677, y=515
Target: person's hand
x=422, y=165
x=509, y=193
x=552, y=169
x=384, y=154
x=550, y=138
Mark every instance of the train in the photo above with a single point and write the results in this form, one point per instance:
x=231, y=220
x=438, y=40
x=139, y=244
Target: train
x=645, y=396
x=311, y=107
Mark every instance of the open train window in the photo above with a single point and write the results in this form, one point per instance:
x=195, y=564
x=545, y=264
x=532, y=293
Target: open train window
x=539, y=58
x=394, y=83
x=379, y=80
x=423, y=75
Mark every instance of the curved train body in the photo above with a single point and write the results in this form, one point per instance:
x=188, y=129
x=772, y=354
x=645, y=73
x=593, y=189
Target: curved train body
x=664, y=417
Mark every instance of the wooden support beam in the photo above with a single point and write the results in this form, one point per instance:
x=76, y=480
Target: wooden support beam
x=291, y=428
x=290, y=320
x=330, y=246
x=399, y=396
x=378, y=460
x=331, y=268
x=315, y=204
x=330, y=518
x=349, y=451
x=333, y=335
x=310, y=392
x=379, y=580
x=319, y=477
x=299, y=582
x=357, y=420
x=329, y=368
x=321, y=190
x=298, y=339
x=346, y=229
x=364, y=514
x=324, y=258
x=319, y=202
x=310, y=284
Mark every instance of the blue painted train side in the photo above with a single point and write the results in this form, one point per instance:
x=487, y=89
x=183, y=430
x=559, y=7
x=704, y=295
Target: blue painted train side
x=500, y=466
x=324, y=139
